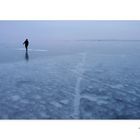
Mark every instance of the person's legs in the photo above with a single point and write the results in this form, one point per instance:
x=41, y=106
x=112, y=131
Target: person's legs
x=26, y=48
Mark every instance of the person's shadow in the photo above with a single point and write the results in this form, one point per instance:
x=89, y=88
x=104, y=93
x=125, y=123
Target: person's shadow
x=26, y=56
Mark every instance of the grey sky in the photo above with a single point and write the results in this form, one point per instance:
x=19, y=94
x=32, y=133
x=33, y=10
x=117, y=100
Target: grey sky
x=41, y=31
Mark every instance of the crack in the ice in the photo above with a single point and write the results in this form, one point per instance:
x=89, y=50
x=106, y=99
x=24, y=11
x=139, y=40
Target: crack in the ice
x=80, y=69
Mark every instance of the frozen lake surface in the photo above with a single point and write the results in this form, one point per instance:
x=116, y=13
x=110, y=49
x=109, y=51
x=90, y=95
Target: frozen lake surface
x=71, y=80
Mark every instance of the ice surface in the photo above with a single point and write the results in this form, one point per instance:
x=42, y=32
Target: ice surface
x=74, y=80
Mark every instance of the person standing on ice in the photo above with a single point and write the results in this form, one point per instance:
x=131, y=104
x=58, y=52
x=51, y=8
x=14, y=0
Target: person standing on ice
x=26, y=43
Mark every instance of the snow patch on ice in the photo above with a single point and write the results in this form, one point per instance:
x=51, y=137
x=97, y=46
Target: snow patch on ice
x=37, y=97
x=56, y=104
x=64, y=101
x=24, y=101
x=99, y=100
x=118, y=86
x=15, y=98
x=35, y=50
x=44, y=115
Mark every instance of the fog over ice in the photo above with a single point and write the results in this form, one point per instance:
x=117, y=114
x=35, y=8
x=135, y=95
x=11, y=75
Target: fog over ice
x=40, y=32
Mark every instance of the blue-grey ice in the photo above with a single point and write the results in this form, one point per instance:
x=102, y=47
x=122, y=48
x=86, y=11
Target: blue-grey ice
x=71, y=79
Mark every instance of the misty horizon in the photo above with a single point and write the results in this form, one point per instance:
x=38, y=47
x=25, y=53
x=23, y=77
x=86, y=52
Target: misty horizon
x=41, y=32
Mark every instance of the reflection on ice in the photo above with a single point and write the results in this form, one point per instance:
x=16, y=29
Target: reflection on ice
x=26, y=56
